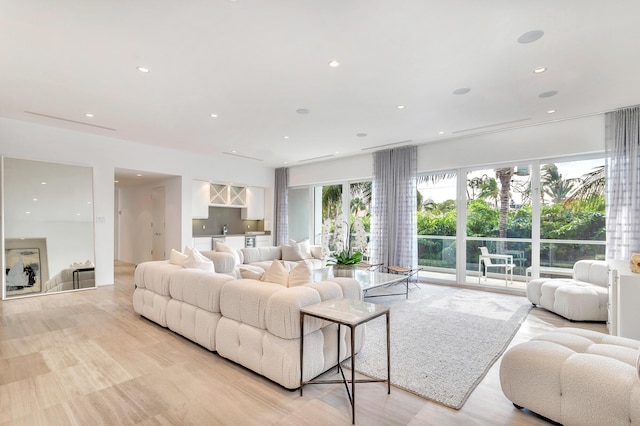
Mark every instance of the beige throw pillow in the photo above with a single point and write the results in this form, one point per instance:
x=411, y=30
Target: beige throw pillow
x=276, y=274
x=177, y=258
x=196, y=260
x=300, y=274
x=253, y=273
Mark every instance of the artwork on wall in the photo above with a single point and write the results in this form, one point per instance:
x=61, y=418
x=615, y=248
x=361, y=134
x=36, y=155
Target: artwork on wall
x=25, y=265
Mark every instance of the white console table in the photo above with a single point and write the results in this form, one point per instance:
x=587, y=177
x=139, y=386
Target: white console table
x=624, y=300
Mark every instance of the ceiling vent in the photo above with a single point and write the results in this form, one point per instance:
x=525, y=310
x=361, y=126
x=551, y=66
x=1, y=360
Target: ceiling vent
x=68, y=121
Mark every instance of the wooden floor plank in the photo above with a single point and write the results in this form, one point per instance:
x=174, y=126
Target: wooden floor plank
x=86, y=358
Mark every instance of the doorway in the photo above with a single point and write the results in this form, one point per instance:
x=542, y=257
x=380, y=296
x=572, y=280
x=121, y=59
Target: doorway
x=158, y=250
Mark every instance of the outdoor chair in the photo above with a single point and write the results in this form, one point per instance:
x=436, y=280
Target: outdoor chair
x=503, y=262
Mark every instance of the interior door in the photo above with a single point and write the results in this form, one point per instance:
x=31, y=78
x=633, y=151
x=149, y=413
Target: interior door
x=158, y=224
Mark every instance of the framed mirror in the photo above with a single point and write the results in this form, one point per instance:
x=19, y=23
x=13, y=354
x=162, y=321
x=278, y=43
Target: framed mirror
x=48, y=235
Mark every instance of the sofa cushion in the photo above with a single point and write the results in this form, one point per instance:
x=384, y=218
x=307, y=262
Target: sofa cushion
x=223, y=262
x=277, y=274
x=226, y=248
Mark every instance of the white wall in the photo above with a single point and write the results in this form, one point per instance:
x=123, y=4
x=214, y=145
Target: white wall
x=105, y=154
x=577, y=136
x=136, y=214
x=36, y=142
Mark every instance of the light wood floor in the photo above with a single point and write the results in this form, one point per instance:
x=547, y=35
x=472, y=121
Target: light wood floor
x=85, y=358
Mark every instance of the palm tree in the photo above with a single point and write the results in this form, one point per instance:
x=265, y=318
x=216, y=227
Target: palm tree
x=489, y=189
x=554, y=185
x=504, y=176
x=592, y=184
x=331, y=200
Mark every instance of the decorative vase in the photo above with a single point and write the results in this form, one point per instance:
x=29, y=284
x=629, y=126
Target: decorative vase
x=343, y=270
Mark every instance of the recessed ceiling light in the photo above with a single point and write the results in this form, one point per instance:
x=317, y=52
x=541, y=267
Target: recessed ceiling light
x=77, y=214
x=334, y=64
x=303, y=111
x=361, y=135
x=214, y=115
x=286, y=137
x=88, y=115
x=530, y=36
x=441, y=132
x=539, y=70
x=337, y=152
x=548, y=94
x=461, y=91
x=400, y=106
x=233, y=151
x=551, y=111
x=143, y=69
x=27, y=212
x=116, y=181
x=35, y=199
x=43, y=183
x=139, y=174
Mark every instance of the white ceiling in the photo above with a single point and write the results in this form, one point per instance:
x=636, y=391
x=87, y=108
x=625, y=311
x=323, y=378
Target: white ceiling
x=255, y=62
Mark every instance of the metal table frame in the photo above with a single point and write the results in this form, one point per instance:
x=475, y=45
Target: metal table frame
x=349, y=313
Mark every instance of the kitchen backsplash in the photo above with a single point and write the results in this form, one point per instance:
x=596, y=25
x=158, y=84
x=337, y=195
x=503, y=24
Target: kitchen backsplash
x=219, y=216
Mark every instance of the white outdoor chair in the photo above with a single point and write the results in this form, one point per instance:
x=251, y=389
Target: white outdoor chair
x=504, y=261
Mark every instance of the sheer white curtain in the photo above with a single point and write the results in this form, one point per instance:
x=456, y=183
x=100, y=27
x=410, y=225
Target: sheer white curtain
x=393, y=207
x=281, y=201
x=623, y=183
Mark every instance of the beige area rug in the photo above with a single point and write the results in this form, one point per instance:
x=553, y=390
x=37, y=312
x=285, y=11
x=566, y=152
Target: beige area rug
x=443, y=339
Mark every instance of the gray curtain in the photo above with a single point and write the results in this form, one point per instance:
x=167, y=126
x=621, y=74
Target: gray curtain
x=393, y=207
x=623, y=183
x=281, y=202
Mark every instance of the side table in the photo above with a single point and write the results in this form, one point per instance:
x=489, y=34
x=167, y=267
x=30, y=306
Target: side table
x=350, y=313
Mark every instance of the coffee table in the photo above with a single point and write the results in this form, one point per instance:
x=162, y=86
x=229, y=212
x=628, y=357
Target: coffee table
x=368, y=280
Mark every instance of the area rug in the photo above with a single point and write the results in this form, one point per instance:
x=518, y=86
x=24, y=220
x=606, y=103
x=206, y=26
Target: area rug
x=443, y=339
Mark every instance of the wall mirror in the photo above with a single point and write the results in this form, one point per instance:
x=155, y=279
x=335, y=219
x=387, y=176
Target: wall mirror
x=48, y=235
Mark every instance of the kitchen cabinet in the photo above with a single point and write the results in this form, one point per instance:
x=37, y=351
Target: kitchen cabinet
x=235, y=241
x=227, y=195
x=255, y=204
x=199, y=199
x=264, y=240
x=624, y=298
x=202, y=243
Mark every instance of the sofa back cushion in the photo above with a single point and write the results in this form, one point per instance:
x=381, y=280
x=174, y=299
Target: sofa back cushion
x=595, y=272
x=261, y=254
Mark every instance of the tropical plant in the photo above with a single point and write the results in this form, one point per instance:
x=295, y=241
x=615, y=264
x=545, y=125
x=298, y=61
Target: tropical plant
x=344, y=253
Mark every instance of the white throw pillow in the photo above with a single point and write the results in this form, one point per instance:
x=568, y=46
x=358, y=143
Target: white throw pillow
x=177, y=258
x=291, y=253
x=316, y=252
x=196, y=260
x=300, y=275
x=226, y=248
x=303, y=246
x=276, y=274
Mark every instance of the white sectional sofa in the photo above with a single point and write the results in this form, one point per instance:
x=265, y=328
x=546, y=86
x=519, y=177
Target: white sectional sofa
x=581, y=298
x=575, y=377
x=253, y=323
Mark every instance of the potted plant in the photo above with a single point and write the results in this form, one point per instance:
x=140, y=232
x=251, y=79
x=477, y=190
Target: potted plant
x=345, y=258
